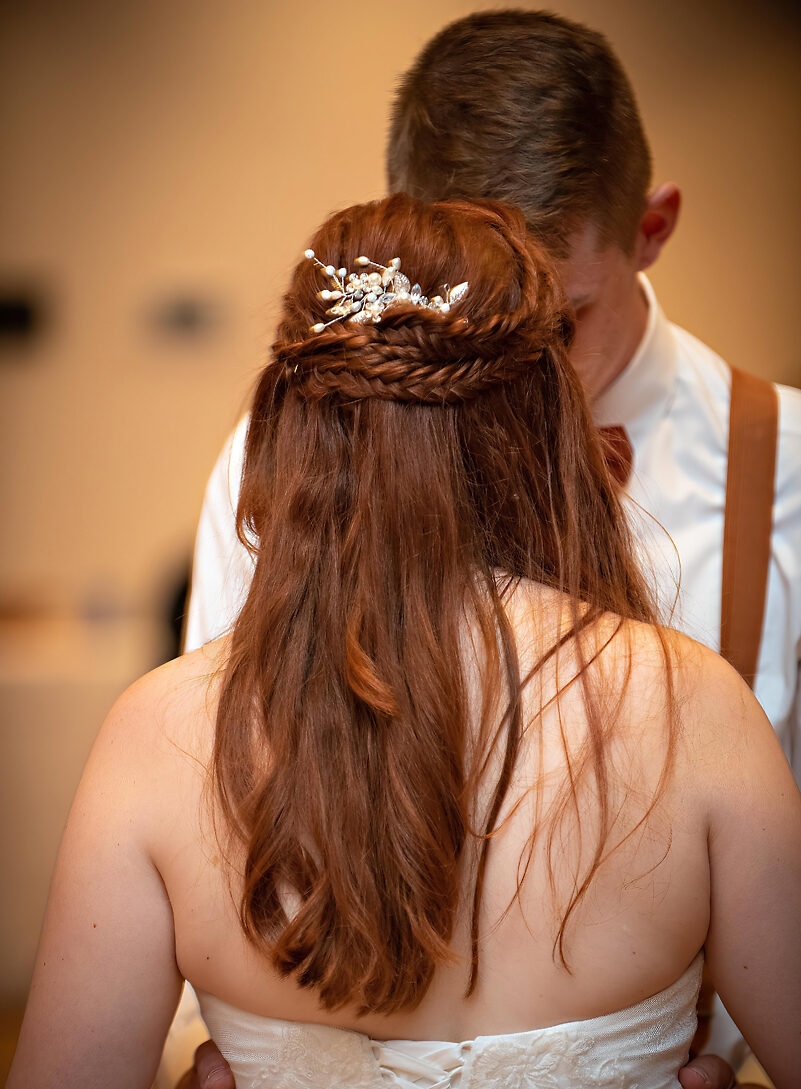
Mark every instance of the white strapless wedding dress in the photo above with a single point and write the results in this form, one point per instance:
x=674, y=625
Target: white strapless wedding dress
x=641, y=1047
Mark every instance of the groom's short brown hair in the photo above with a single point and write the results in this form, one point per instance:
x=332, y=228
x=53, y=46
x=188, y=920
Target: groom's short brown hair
x=529, y=108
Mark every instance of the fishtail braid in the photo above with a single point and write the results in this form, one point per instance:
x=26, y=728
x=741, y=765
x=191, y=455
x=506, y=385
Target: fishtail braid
x=416, y=356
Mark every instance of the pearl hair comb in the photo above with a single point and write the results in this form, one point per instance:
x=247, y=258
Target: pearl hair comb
x=364, y=296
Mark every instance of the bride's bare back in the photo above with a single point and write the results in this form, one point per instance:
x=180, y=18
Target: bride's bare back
x=717, y=863
x=645, y=918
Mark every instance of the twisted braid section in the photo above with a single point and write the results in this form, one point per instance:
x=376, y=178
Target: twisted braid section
x=411, y=356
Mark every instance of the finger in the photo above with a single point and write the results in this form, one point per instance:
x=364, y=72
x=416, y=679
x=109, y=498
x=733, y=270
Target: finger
x=212, y=1071
x=707, y=1072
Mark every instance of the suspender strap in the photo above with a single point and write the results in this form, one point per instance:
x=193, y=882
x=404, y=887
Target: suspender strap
x=750, y=475
x=753, y=432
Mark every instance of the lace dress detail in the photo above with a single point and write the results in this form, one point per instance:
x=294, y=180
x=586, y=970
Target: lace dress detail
x=641, y=1047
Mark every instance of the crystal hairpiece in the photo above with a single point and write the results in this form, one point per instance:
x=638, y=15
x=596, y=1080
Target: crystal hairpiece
x=364, y=296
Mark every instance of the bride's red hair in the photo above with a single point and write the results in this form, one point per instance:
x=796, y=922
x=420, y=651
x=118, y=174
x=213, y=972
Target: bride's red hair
x=397, y=478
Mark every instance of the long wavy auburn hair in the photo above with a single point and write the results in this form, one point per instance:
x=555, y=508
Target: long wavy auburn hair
x=399, y=478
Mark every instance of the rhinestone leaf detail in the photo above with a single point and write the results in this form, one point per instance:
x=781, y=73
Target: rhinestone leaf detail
x=364, y=296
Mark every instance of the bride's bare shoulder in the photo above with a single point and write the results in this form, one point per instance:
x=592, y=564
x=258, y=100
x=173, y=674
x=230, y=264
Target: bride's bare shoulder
x=543, y=617
x=715, y=722
x=705, y=691
x=172, y=707
x=646, y=665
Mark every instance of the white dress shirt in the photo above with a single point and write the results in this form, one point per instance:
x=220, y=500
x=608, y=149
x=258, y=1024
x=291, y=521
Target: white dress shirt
x=673, y=400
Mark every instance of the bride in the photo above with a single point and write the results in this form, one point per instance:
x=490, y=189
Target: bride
x=447, y=807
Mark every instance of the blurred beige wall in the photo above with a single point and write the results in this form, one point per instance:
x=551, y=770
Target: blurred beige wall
x=151, y=147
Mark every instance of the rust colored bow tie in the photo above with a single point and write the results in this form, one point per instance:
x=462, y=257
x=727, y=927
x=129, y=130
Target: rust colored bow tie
x=617, y=451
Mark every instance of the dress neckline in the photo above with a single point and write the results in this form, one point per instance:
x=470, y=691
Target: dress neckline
x=691, y=974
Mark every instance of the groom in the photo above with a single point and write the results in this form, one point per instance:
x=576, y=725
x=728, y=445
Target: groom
x=534, y=110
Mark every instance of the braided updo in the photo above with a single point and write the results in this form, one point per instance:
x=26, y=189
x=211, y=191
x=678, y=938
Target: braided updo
x=513, y=310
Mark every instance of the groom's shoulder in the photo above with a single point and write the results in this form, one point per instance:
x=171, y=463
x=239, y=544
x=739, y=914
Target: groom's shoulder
x=787, y=512
x=704, y=377
x=227, y=472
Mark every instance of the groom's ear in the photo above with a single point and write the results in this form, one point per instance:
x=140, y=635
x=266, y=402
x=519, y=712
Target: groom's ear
x=657, y=223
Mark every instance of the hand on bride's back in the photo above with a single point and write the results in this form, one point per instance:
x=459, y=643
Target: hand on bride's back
x=710, y=1072
x=211, y=1071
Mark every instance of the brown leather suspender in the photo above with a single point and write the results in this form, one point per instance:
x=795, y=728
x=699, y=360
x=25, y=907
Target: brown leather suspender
x=753, y=433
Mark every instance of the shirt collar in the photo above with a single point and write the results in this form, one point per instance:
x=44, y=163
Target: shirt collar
x=643, y=391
